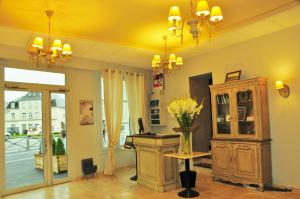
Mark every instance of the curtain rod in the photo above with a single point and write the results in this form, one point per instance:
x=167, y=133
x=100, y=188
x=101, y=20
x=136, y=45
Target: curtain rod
x=127, y=73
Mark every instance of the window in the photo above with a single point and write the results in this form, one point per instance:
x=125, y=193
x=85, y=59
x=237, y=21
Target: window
x=13, y=116
x=125, y=130
x=29, y=104
x=32, y=76
x=12, y=105
x=23, y=127
x=30, y=115
x=24, y=116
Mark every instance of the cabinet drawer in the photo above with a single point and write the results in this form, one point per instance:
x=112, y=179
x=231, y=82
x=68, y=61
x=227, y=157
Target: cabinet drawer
x=245, y=161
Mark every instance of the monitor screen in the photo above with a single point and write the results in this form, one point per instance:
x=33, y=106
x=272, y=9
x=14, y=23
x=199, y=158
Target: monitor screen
x=141, y=125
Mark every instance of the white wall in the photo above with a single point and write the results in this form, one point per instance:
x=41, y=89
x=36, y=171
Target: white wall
x=84, y=140
x=275, y=56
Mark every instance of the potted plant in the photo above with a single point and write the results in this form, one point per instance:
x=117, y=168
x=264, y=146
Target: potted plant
x=185, y=110
x=59, y=158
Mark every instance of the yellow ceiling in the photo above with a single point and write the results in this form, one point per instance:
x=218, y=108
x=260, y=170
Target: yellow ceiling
x=135, y=23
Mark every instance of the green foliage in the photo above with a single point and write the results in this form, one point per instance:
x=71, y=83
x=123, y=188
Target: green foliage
x=53, y=146
x=60, y=148
x=40, y=149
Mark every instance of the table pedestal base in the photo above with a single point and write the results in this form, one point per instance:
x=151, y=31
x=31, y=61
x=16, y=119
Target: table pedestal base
x=134, y=178
x=188, y=193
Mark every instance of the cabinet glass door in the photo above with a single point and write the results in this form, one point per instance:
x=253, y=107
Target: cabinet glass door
x=245, y=112
x=223, y=114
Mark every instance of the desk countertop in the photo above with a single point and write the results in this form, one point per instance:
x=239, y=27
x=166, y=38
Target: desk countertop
x=156, y=136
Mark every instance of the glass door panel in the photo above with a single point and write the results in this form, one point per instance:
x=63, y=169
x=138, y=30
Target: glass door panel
x=59, y=136
x=223, y=114
x=24, y=139
x=245, y=110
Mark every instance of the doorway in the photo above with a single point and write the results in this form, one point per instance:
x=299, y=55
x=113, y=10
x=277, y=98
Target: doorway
x=199, y=89
x=30, y=140
x=35, y=128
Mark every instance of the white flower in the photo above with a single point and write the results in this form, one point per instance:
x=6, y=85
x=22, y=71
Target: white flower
x=178, y=108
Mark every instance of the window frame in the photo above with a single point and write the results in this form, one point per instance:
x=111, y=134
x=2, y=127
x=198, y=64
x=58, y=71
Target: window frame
x=8, y=68
x=101, y=116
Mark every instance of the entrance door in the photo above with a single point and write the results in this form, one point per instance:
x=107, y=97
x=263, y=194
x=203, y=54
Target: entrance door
x=59, y=137
x=35, y=139
x=25, y=140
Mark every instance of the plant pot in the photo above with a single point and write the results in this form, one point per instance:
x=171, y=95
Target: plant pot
x=188, y=178
x=39, y=161
x=59, y=162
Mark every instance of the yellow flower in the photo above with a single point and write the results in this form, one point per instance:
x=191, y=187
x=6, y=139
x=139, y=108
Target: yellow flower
x=184, y=110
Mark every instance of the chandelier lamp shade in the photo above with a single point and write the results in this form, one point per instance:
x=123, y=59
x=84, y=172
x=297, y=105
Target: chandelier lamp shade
x=200, y=19
x=168, y=63
x=53, y=52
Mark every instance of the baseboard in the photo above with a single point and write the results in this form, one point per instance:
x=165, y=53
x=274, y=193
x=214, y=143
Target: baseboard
x=101, y=173
x=284, y=187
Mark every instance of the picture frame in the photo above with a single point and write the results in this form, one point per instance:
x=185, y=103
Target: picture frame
x=86, y=112
x=241, y=113
x=158, y=80
x=233, y=76
x=228, y=117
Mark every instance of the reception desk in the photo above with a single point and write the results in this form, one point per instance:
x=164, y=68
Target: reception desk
x=156, y=171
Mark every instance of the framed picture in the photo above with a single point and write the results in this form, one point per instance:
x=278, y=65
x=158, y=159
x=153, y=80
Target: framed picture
x=158, y=80
x=241, y=113
x=228, y=117
x=86, y=112
x=232, y=76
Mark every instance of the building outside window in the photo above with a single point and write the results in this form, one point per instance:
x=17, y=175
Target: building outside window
x=24, y=116
x=125, y=130
x=13, y=116
x=36, y=115
x=23, y=127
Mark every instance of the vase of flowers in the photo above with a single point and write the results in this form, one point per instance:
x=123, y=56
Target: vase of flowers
x=185, y=110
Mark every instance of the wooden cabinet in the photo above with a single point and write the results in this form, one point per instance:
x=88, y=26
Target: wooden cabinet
x=241, y=150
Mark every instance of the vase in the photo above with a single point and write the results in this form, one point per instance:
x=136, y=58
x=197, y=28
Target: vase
x=186, y=145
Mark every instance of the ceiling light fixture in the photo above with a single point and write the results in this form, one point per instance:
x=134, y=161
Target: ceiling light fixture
x=58, y=52
x=201, y=19
x=167, y=65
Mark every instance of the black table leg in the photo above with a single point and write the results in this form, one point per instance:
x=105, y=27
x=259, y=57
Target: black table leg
x=135, y=177
x=188, y=178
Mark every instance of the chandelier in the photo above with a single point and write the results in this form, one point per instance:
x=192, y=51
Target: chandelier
x=200, y=19
x=166, y=64
x=57, y=53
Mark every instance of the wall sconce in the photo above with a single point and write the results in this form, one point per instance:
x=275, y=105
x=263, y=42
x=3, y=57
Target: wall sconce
x=283, y=89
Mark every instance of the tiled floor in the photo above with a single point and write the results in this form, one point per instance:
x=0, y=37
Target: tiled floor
x=120, y=187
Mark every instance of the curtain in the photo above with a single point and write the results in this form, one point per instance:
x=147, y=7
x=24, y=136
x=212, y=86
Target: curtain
x=113, y=105
x=135, y=88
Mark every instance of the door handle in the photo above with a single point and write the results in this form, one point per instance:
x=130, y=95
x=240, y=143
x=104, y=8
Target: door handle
x=45, y=144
